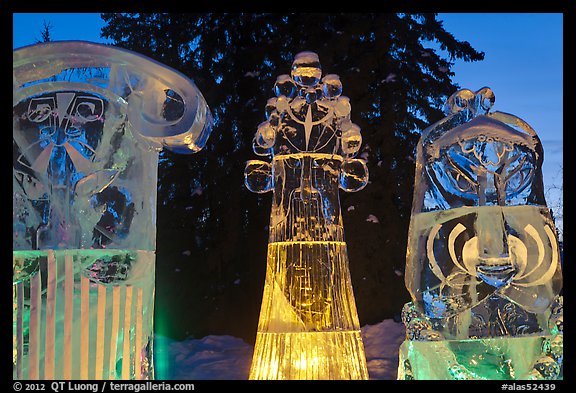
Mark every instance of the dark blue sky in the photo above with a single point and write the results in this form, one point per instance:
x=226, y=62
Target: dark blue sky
x=522, y=65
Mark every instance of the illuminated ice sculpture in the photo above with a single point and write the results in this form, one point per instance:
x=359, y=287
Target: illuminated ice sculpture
x=89, y=122
x=308, y=327
x=483, y=265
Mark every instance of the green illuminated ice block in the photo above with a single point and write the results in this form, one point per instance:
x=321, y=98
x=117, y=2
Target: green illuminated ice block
x=89, y=122
x=483, y=264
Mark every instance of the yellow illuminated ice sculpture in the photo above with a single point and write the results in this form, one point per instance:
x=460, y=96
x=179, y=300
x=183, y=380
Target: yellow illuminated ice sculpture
x=89, y=122
x=308, y=327
x=483, y=264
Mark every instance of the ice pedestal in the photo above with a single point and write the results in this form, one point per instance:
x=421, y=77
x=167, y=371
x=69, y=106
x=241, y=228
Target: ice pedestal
x=483, y=263
x=89, y=123
x=501, y=358
x=308, y=326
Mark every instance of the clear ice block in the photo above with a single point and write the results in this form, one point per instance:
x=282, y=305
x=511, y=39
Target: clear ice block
x=89, y=122
x=308, y=326
x=483, y=265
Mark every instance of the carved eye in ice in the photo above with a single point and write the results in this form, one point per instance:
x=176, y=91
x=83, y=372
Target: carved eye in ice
x=351, y=139
x=332, y=86
x=265, y=135
x=284, y=86
x=258, y=176
x=353, y=175
x=40, y=112
x=306, y=69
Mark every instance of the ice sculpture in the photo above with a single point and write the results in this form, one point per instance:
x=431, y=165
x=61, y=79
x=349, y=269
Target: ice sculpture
x=308, y=326
x=89, y=122
x=482, y=266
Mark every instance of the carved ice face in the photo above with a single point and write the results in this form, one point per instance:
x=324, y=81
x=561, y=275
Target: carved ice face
x=62, y=147
x=89, y=121
x=56, y=140
x=468, y=254
x=481, y=227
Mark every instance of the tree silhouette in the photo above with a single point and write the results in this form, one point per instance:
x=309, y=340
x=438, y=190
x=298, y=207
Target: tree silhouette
x=212, y=232
x=45, y=33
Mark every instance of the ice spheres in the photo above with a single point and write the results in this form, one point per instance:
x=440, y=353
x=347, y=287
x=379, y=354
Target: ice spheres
x=308, y=326
x=483, y=267
x=89, y=122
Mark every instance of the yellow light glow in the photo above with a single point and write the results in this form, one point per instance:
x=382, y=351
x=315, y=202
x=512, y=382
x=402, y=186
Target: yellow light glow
x=309, y=355
x=308, y=326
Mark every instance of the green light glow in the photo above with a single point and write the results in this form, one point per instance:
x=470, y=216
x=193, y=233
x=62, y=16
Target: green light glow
x=502, y=358
x=161, y=356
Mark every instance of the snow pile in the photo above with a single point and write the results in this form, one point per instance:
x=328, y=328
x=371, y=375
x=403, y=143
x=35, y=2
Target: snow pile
x=229, y=358
x=211, y=357
x=381, y=343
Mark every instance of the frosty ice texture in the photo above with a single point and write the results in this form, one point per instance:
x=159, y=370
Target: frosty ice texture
x=483, y=265
x=308, y=326
x=84, y=314
x=89, y=122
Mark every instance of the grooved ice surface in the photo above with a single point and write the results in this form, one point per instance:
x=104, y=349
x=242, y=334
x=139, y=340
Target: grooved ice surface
x=308, y=326
x=483, y=265
x=89, y=121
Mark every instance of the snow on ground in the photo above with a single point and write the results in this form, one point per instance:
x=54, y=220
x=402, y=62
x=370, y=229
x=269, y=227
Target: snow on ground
x=229, y=358
x=381, y=343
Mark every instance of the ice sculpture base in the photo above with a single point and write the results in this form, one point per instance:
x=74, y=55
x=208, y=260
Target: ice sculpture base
x=504, y=358
x=83, y=314
x=309, y=355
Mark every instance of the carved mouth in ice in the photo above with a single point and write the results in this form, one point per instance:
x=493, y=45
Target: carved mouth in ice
x=496, y=272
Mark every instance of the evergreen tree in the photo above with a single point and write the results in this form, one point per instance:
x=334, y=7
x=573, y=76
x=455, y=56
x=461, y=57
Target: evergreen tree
x=45, y=33
x=212, y=232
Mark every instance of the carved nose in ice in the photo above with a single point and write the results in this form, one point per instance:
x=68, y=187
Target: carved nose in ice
x=495, y=271
x=493, y=259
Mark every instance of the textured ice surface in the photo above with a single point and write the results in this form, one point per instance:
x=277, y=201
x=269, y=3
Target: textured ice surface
x=308, y=326
x=88, y=123
x=84, y=314
x=502, y=358
x=483, y=264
